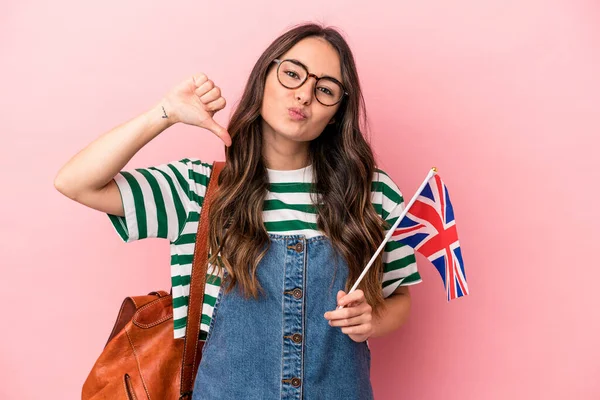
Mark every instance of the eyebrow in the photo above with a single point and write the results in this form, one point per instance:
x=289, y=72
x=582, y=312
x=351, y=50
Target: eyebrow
x=324, y=76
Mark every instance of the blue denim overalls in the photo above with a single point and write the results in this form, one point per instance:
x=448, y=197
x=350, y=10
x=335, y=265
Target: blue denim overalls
x=280, y=346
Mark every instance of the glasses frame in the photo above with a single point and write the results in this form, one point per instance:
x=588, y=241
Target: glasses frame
x=308, y=75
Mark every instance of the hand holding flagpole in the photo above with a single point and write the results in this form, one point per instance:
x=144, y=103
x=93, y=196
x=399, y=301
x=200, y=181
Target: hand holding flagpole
x=392, y=229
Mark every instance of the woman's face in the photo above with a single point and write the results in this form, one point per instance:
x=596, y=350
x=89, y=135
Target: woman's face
x=320, y=58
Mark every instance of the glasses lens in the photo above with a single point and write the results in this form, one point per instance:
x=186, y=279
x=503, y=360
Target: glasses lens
x=291, y=75
x=328, y=92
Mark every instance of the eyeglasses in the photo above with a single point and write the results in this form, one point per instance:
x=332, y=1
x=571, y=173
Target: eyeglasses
x=292, y=74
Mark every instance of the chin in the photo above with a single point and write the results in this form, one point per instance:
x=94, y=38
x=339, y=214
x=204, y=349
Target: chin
x=299, y=134
x=287, y=129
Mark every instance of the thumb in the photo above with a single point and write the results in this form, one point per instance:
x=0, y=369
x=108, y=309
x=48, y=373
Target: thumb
x=218, y=130
x=340, y=294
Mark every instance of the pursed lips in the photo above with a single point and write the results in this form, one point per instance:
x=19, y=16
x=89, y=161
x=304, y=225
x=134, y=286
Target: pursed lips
x=297, y=112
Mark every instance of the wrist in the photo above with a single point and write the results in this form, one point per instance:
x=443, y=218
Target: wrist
x=163, y=113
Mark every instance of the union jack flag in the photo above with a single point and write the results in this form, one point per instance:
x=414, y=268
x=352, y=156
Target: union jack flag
x=429, y=227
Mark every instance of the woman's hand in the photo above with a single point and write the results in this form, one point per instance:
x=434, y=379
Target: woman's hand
x=194, y=102
x=354, y=318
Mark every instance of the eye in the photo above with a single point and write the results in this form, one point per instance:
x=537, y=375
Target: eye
x=291, y=74
x=326, y=91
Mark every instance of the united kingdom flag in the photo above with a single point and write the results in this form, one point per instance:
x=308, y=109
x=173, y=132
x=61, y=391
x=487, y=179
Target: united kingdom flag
x=429, y=227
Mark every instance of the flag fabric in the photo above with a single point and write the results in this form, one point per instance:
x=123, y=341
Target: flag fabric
x=429, y=227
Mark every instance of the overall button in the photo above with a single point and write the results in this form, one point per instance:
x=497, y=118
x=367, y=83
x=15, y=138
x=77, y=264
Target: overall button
x=296, y=382
x=299, y=247
x=297, y=293
x=297, y=338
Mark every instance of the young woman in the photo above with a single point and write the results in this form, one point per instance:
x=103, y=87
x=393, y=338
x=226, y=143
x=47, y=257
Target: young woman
x=300, y=210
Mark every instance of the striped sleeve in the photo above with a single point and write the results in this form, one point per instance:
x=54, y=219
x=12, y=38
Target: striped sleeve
x=399, y=262
x=158, y=200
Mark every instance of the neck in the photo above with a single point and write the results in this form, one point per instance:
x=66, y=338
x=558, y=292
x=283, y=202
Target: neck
x=281, y=153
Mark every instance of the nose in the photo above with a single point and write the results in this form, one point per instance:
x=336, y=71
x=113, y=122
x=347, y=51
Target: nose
x=304, y=93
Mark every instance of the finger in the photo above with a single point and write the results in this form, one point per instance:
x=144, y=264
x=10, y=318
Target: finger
x=356, y=296
x=357, y=329
x=211, y=95
x=216, y=105
x=347, y=312
x=199, y=79
x=340, y=295
x=358, y=320
x=218, y=130
x=204, y=88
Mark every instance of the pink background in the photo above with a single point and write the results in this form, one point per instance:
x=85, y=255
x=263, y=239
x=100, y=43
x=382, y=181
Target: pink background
x=502, y=96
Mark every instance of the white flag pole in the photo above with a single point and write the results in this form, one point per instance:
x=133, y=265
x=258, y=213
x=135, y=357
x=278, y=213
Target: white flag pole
x=432, y=172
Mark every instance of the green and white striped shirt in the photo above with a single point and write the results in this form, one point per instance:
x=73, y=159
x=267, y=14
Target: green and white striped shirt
x=165, y=202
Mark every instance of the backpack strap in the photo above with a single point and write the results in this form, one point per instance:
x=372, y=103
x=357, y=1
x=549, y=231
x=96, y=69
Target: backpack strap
x=197, y=283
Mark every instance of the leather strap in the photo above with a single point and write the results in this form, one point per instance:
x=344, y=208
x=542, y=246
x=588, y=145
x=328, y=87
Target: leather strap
x=197, y=282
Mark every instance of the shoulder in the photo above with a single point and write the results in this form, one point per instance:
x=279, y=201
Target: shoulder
x=384, y=189
x=196, y=170
x=196, y=164
x=384, y=180
x=188, y=175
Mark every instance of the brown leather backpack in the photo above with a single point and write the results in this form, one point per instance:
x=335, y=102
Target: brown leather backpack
x=141, y=359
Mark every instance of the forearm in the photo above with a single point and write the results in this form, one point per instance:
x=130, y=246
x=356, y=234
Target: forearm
x=393, y=315
x=95, y=165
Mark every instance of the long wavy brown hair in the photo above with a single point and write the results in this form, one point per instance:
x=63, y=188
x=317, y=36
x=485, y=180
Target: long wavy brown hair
x=343, y=168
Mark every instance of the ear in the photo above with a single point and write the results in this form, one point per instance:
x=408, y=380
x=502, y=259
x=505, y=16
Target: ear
x=332, y=121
